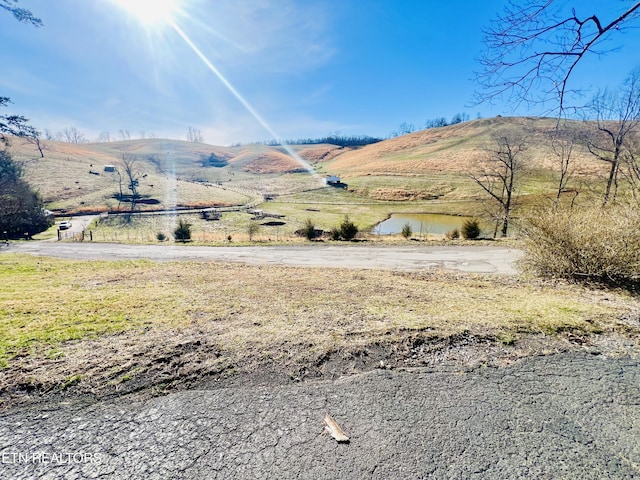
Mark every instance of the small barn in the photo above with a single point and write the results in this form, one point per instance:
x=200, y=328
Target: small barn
x=332, y=180
x=109, y=168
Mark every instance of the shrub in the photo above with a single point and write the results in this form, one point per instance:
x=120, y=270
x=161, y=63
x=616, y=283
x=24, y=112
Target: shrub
x=407, y=231
x=593, y=244
x=470, y=229
x=335, y=233
x=309, y=230
x=348, y=229
x=452, y=234
x=161, y=237
x=252, y=229
x=183, y=231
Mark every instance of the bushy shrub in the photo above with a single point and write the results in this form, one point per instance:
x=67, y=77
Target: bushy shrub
x=594, y=244
x=182, y=233
x=407, y=230
x=309, y=230
x=346, y=231
x=470, y=228
x=452, y=234
x=161, y=237
x=22, y=212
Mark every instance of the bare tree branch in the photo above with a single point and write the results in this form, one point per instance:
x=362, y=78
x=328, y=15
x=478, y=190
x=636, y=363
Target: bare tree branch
x=617, y=119
x=532, y=50
x=21, y=14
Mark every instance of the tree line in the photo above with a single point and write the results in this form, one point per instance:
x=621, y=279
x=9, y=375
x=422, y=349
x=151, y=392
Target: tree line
x=339, y=140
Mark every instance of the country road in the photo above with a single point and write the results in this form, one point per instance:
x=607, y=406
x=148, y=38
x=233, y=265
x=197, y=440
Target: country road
x=570, y=416
x=474, y=259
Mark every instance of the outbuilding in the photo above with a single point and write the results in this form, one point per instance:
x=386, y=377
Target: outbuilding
x=332, y=180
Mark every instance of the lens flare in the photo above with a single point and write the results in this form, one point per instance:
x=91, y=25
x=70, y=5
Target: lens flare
x=151, y=12
x=162, y=13
x=241, y=99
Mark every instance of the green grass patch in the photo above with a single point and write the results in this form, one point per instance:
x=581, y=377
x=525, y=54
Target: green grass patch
x=48, y=303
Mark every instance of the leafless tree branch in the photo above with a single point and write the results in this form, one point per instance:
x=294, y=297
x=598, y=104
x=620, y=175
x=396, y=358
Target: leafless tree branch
x=532, y=50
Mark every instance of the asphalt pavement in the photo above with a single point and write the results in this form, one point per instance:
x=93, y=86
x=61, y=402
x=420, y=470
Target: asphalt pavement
x=470, y=259
x=566, y=416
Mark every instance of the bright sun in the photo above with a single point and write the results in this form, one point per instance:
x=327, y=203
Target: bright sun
x=151, y=12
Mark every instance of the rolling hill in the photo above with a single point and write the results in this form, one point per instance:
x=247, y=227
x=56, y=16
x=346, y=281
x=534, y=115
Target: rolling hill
x=423, y=165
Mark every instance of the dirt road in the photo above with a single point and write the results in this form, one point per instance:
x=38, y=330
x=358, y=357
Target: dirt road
x=480, y=259
x=572, y=416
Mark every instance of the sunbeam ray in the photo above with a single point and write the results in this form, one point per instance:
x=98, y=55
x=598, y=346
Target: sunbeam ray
x=239, y=97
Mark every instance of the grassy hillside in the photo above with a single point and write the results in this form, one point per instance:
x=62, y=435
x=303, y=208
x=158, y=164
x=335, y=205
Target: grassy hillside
x=423, y=172
x=172, y=173
x=451, y=149
x=435, y=163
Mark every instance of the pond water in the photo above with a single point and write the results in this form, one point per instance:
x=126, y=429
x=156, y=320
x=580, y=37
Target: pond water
x=425, y=223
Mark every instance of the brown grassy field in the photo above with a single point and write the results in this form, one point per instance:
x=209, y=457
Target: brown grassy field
x=107, y=327
x=419, y=166
x=453, y=149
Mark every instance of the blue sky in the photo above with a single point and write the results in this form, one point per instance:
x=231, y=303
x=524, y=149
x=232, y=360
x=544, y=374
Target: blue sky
x=308, y=67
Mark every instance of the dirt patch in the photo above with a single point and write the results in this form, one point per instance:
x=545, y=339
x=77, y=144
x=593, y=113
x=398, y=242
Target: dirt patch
x=152, y=363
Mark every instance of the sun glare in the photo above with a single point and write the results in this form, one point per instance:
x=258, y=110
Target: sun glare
x=151, y=12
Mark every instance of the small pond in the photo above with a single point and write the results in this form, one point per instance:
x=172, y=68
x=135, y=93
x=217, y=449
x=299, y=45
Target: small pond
x=421, y=223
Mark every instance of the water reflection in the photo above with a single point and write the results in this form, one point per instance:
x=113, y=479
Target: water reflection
x=421, y=223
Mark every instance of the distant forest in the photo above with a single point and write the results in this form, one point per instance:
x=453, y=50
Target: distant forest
x=340, y=140
x=362, y=140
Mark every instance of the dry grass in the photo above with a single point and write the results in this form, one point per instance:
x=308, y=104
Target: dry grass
x=453, y=150
x=274, y=162
x=407, y=171
x=107, y=323
x=586, y=244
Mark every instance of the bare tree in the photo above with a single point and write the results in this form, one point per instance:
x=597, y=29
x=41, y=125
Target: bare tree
x=194, y=135
x=124, y=134
x=252, y=229
x=618, y=118
x=532, y=49
x=563, y=140
x=132, y=174
x=13, y=125
x=436, y=122
x=35, y=138
x=499, y=175
x=104, y=137
x=404, y=129
x=71, y=135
